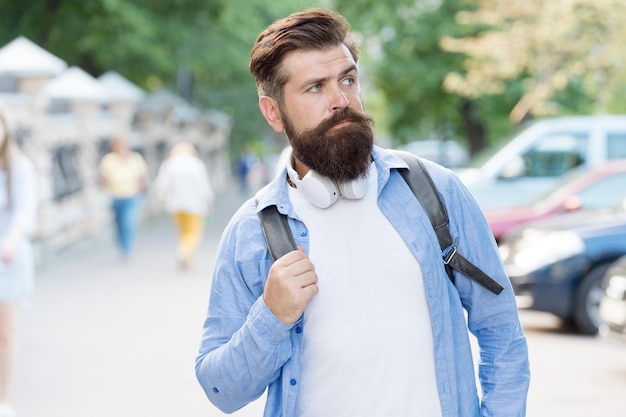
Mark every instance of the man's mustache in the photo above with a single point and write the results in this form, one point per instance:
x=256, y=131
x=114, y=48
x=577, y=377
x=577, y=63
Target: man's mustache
x=343, y=115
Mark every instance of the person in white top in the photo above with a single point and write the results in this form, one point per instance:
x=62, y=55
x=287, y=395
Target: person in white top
x=184, y=187
x=18, y=217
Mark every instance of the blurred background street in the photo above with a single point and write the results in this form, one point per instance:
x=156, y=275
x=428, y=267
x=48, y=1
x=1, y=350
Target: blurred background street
x=534, y=125
x=102, y=338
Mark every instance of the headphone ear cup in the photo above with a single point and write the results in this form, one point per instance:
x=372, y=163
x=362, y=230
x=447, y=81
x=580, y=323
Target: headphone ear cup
x=320, y=191
x=354, y=189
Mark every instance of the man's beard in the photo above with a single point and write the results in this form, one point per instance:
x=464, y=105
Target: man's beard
x=342, y=154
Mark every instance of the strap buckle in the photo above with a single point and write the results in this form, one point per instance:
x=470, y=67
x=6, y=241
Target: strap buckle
x=448, y=254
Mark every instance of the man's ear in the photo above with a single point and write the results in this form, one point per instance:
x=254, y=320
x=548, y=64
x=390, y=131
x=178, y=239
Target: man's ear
x=269, y=108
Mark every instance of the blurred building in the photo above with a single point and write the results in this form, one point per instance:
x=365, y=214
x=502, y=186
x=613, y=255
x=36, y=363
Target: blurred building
x=63, y=119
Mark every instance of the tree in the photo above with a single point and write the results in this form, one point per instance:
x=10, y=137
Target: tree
x=551, y=48
x=199, y=48
x=406, y=63
x=457, y=68
x=95, y=35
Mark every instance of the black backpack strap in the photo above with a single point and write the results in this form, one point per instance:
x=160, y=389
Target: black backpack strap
x=422, y=185
x=280, y=241
x=276, y=230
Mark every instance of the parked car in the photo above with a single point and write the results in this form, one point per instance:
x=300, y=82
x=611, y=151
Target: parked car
x=533, y=162
x=613, y=304
x=556, y=265
x=602, y=187
x=448, y=153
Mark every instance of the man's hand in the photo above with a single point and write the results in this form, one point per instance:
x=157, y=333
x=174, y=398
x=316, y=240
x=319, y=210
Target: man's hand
x=291, y=284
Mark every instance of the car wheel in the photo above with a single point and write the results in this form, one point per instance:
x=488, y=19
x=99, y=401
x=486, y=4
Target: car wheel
x=586, y=315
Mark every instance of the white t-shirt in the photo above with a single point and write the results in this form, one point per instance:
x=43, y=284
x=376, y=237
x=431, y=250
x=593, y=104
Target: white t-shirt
x=368, y=345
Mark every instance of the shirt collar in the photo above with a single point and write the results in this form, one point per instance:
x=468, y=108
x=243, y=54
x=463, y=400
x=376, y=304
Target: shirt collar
x=276, y=192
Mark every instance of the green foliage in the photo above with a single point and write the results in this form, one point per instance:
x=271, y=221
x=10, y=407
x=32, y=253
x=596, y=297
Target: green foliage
x=151, y=41
x=409, y=67
x=403, y=65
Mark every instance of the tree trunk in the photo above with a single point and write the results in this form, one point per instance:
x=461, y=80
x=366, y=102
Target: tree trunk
x=474, y=128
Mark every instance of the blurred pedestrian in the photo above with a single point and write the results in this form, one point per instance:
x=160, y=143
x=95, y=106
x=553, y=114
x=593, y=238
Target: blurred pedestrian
x=18, y=217
x=361, y=319
x=184, y=187
x=245, y=164
x=124, y=175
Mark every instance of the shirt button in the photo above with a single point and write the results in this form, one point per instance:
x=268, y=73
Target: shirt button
x=298, y=329
x=293, y=382
x=215, y=390
x=303, y=233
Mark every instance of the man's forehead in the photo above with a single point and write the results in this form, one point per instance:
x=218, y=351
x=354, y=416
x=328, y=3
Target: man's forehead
x=319, y=62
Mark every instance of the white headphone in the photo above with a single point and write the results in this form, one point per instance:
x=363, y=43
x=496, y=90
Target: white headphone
x=322, y=191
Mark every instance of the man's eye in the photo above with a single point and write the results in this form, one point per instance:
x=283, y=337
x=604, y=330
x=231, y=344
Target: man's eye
x=348, y=81
x=315, y=88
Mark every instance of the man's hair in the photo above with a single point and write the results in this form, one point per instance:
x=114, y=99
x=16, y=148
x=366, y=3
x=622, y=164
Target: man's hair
x=308, y=30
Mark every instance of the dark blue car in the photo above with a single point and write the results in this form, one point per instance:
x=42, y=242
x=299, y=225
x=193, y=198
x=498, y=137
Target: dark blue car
x=557, y=265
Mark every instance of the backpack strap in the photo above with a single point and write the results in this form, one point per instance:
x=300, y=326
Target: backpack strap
x=276, y=229
x=280, y=241
x=422, y=185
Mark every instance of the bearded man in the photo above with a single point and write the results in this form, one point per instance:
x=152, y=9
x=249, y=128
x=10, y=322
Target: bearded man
x=361, y=319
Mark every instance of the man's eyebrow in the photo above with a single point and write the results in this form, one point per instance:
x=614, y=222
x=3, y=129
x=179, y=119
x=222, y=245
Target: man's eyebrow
x=349, y=69
x=321, y=80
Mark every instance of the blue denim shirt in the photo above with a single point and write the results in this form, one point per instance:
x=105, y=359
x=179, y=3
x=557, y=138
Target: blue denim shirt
x=245, y=349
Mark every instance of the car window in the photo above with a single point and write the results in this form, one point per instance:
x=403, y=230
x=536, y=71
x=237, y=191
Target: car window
x=608, y=192
x=555, y=154
x=616, y=145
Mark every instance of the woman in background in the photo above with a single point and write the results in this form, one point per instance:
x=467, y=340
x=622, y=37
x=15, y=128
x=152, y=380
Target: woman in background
x=124, y=175
x=18, y=214
x=184, y=188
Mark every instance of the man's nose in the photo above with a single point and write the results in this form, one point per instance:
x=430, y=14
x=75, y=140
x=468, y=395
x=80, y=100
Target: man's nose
x=340, y=100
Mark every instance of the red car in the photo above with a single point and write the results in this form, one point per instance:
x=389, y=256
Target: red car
x=599, y=188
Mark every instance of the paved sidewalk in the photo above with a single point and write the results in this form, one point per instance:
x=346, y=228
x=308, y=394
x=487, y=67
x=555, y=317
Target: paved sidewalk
x=105, y=338
x=101, y=338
